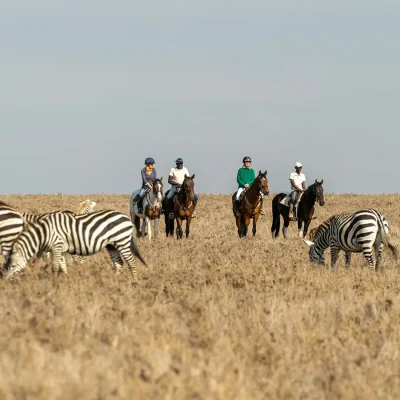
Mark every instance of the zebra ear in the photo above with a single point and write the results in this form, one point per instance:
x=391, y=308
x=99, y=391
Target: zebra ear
x=309, y=243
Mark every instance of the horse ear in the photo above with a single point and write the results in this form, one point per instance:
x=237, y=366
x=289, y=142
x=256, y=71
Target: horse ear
x=192, y=177
x=321, y=182
x=152, y=179
x=316, y=182
x=161, y=179
x=265, y=173
x=185, y=176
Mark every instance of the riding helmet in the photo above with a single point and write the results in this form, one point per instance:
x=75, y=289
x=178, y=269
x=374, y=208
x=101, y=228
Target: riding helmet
x=149, y=160
x=247, y=159
x=179, y=161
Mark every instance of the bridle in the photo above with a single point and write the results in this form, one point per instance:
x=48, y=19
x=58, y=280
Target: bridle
x=186, y=191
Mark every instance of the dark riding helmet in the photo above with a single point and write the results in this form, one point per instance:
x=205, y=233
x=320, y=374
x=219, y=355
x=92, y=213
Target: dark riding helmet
x=246, y=159
x=179, y=161
x=149, y=160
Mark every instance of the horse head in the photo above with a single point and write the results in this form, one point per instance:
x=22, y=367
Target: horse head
x=263, y=182
x=158, y=188
x=188, y=187
x=318, y=191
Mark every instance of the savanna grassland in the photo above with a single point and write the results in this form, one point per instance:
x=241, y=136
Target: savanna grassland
x=214, y=317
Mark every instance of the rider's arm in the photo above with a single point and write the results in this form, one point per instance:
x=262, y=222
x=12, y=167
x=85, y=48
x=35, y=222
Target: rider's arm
x=304, y=186
x=296, y=187
x=144, y=179
x=171, y=179
x=253, y=177
x=239, y=178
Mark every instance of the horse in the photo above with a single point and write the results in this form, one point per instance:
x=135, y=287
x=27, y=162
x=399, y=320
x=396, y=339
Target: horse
x=183, y=207
x=151, y=209
x=250, y=204
x=305, y=209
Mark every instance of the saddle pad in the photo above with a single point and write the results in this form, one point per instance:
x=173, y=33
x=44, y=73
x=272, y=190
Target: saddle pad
x=285, y=201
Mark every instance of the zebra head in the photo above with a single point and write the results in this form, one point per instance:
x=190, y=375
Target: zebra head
x=16, y=262
x=316, y=255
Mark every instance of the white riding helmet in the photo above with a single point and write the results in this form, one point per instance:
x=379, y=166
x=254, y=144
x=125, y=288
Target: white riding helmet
x=298, y=165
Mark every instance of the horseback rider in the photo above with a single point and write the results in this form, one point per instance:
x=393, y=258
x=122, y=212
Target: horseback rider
x=245, y=178
x=297, y=180
x=175, y=179
x=148, y=174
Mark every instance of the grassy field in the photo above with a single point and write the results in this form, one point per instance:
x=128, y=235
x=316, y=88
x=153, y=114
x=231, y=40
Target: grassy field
x=214, y=317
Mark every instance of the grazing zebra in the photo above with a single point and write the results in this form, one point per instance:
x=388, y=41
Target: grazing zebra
x=84, y=235
x=11, y=225
x=353, y=233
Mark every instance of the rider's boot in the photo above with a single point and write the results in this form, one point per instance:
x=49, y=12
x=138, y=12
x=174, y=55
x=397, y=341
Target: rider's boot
x=292, y=217
x=140, y=206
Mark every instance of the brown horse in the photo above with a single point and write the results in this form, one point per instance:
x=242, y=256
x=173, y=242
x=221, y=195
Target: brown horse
x=184, y=206
x=250, y=204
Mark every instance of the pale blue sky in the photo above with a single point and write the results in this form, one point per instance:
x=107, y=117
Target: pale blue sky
x=89, y=89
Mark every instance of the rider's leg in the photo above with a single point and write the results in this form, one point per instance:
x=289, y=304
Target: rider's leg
x=140, y=202
x=292, y=201
x=170, y=196
x=238, y=193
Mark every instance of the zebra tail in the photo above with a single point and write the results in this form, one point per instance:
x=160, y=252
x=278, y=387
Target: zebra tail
x=385, y=238
x=136, y=252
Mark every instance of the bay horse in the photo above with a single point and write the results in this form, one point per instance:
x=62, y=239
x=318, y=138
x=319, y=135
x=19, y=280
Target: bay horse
x=305, y=210
x=250, y=204
x=151, y=209
x=183, y=208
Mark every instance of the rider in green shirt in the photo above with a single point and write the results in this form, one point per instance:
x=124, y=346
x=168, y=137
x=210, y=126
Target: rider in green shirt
x=245, y=178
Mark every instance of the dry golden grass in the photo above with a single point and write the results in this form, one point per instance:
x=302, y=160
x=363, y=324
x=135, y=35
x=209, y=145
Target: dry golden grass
x=214, y=317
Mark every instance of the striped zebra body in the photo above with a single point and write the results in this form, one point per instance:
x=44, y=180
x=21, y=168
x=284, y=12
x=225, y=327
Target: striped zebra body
x=11, y=225
x=363, y=231
x=84, y=235
x=85, y=207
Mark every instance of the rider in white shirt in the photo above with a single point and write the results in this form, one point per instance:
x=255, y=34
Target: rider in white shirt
x=176, y=177
x=297, y=180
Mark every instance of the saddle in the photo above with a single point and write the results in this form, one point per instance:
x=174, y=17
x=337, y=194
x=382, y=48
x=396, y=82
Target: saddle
x=286, y=199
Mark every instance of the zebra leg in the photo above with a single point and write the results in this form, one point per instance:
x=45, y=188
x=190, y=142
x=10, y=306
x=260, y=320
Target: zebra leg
x=378, y=256
x=58, y=261
x=367, y=253
x=348, y=258
x=334, y=256
x=127, y=255
x=115, y=259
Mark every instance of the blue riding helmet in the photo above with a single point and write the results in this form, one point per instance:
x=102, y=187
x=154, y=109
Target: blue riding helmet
x=149, y=160
x=246, y=159
x=179, y=161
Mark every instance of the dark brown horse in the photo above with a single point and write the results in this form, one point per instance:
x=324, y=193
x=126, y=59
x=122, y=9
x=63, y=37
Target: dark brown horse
x=250, y=204
x=183, y=207
x=305, y=210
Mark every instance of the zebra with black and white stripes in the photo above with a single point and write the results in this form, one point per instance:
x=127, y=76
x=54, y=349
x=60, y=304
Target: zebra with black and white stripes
x=61, y=232
x=11, y=225
x=363, y=231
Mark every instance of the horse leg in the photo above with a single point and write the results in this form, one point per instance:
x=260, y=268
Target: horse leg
x=286, y=222
x=306, y=226
x=300, y=227
x=156, y=222
x=144, y=228
x=179, y=230
x=239, y=225
x=148, y=226
x=188, y=221
x=255, y=219
x=246, y=222
x=137, y=226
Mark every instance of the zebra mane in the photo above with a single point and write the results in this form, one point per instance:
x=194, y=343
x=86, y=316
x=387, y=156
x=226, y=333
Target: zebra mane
x=2, y=203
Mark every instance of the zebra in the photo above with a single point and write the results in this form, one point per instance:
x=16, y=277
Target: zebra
x=85, y=207
x=11, y=225
x=87, y=234
x=353, y=233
